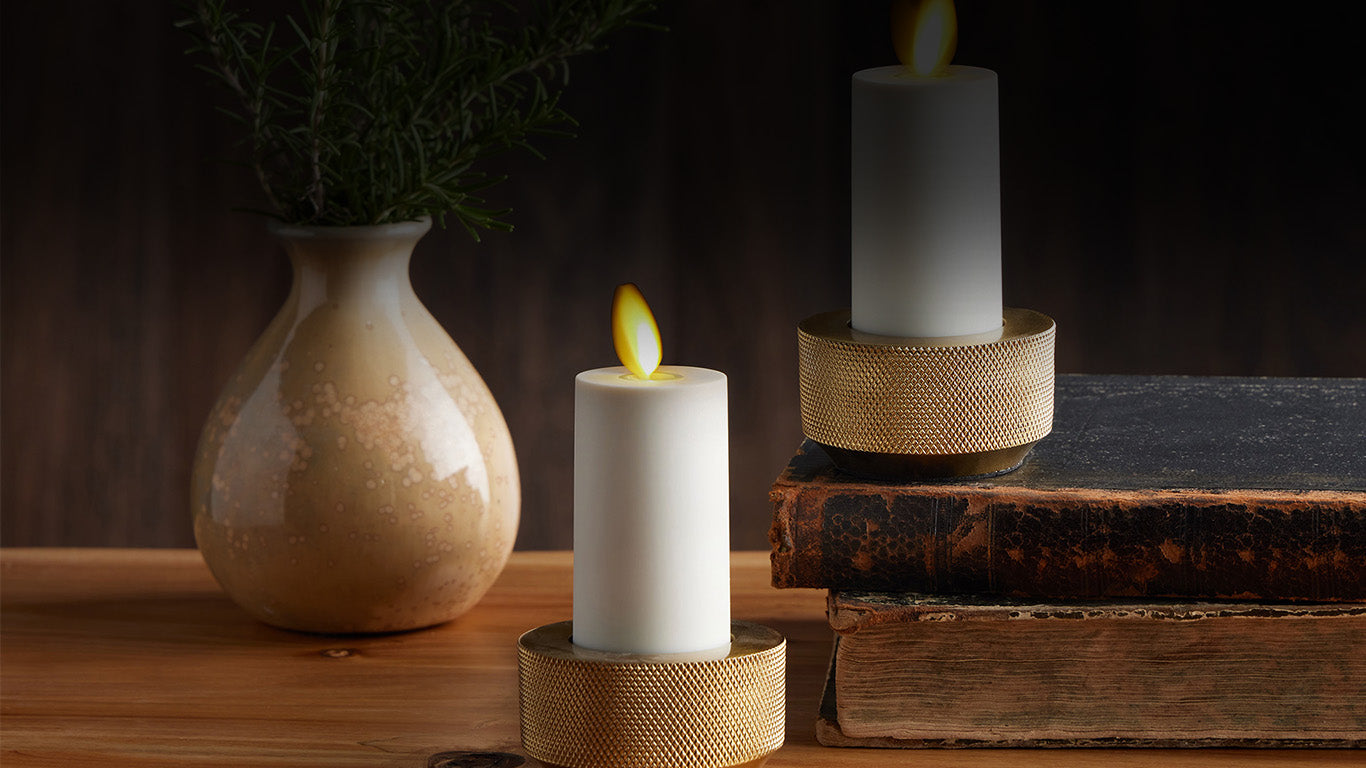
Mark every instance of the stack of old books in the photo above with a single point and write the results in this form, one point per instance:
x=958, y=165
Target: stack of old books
x=1181, y=563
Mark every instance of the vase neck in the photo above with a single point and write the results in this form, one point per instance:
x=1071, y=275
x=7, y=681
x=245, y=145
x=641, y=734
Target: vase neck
x=351, y=264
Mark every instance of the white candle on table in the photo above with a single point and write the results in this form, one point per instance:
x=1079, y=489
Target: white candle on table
x=651, y=502
x=925, y=192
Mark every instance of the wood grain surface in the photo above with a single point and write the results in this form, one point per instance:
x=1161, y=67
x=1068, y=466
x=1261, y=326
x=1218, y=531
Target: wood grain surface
x=135, y=658
x=1182, y=191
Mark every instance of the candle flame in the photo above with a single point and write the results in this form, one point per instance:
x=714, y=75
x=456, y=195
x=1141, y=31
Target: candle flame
x=925, y=34
x=634, y=332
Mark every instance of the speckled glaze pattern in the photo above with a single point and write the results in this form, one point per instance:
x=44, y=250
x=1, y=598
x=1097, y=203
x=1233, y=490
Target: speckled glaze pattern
x=356, y=474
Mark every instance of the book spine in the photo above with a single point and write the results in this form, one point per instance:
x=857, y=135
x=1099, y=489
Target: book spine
x=959, y=540
x=935, y=672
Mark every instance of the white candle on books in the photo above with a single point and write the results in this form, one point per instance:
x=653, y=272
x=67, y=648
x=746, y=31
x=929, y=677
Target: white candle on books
x=925, y=186
x=651, y=498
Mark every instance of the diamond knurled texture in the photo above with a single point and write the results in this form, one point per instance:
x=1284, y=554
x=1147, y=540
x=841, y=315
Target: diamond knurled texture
x=926, y=397
x=585, y=712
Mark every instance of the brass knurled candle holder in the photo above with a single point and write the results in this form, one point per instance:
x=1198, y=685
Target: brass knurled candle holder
x=591, y=709
x=917, y=408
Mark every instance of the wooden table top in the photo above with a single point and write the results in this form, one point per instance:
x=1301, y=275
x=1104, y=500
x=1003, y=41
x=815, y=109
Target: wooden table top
x=135, y=658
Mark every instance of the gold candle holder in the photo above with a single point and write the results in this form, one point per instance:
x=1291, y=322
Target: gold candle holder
x=916, y=408
x=592, y=709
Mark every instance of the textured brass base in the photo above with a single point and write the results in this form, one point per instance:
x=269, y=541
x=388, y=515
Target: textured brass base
x=910, y=466
x=590, y=709
x=920, y=408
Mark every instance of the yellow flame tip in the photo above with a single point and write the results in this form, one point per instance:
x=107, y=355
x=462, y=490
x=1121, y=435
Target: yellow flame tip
x=925, y=35
x=634, y=331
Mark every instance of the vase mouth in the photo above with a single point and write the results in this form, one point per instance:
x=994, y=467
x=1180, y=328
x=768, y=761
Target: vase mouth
x=361, y=232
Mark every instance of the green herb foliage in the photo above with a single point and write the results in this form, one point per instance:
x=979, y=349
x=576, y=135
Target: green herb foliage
x=379, y=111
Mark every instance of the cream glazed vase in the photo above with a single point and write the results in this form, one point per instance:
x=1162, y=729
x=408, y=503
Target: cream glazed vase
x=356, y=474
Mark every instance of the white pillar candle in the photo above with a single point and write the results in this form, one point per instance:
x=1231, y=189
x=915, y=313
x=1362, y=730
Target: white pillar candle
x=926, y=202
x=651, y=511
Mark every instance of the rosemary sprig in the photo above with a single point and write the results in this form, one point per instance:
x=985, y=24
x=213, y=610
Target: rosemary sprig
x=378, y=111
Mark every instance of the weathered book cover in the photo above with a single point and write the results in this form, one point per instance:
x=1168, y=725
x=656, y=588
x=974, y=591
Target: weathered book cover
x=914, y=671
x=1162, y=487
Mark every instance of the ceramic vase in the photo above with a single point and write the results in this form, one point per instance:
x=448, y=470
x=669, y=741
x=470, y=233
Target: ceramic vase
x=356, y=474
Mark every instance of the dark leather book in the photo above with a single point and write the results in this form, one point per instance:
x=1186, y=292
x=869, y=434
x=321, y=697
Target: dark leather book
x=915, y=671
x=1169, y=487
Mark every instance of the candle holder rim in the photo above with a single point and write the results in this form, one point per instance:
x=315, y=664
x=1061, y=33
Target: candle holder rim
x=1016, y=323
x=554, y=641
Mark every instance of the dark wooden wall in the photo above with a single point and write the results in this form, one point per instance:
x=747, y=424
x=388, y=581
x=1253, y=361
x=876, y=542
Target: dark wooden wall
x=1183, y=192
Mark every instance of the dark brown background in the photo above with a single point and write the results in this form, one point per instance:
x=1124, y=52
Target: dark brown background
x=1183, y=193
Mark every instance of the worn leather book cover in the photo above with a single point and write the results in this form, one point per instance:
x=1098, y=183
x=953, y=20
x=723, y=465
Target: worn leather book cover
x=1149, y=486
x=914, y=671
